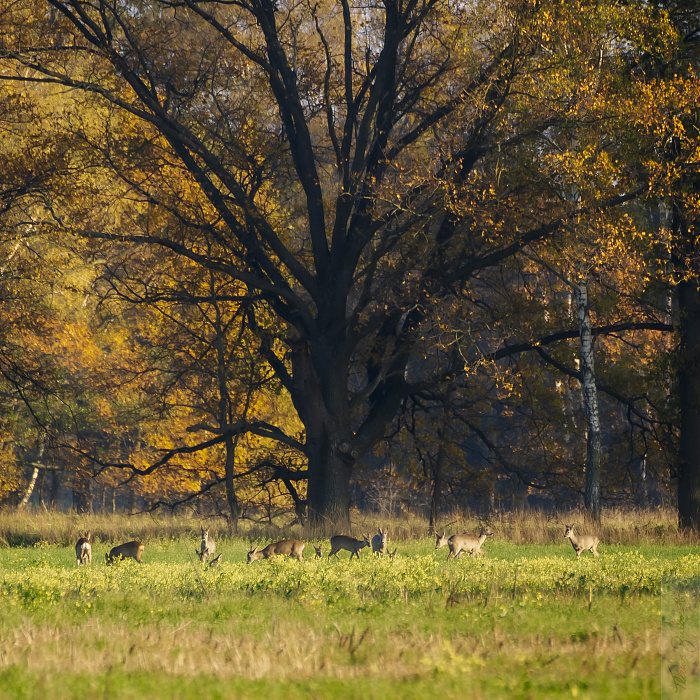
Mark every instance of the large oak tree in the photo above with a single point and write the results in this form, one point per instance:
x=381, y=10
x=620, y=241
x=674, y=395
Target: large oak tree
x=353, y=166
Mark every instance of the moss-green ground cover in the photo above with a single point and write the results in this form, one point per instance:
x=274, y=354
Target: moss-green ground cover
x=524, y=621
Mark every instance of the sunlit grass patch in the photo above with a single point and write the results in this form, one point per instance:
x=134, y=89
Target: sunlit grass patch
x=523, y=620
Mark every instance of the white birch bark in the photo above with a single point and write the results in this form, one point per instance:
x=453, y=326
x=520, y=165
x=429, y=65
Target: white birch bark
x=32, y=482
x=30, y=490
x=590, y=402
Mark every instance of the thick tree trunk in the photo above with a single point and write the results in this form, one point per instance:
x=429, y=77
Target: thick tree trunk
x=688, y=466
x=688, y=367
x=329, y=451
x=328, y=484
x=590, y=402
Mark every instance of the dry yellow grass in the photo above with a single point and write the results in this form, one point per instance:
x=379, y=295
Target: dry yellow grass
x=617, y=526
x=294, y=650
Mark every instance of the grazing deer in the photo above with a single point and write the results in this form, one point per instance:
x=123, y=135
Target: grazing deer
x=392, y=555
x=128, y=550
x=581, y=543
x=463, y=543
x=290, y=548
x=208, y=547
x=379, y=542
x=319, y=552
x=352, y=545
x=83, y=550
x=215, y=562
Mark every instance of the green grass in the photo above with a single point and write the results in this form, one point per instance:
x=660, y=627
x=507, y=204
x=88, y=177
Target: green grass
x=525, y=621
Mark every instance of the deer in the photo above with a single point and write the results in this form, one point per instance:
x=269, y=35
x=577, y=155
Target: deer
x=290, y=548
x=215, y=562
x=581, y=543
x=128, y=550
x=208, y=547
x=352, y=545
x=83, y=550
x=392, y=555
x=379, y=542
x=319, y=552
x=463, y=543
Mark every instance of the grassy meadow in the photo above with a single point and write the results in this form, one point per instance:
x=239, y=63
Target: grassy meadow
x=527, y=620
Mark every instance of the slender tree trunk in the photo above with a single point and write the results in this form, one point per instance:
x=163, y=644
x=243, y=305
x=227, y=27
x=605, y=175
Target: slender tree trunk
x=30, y=489
x=225, y=415
x=438, y=473
x=688, y=466
x=231, y=496
x=82, y=499
x=40, y=488
x=643, y=485
x=130, y=502
x=53, y=491
x=32, y=482
x=437, y=487
x=590, y=402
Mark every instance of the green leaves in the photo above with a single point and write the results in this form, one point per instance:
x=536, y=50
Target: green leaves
x=38, y=580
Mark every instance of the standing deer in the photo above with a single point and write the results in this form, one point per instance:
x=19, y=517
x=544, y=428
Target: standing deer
x=392, y=555
x=290, y=548
x=83, y=550
x=379, y=542
x=581, y=543
x=128, y=550
x=207, y=547
x=463, y=543
x=352, y=545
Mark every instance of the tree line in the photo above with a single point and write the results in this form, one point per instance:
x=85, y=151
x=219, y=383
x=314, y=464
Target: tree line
x=282, y=251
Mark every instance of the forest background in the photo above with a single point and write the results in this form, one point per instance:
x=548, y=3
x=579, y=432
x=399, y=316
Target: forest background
x=262, y=256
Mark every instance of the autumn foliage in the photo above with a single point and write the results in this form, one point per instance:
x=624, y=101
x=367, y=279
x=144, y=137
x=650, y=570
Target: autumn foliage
x=272, y=255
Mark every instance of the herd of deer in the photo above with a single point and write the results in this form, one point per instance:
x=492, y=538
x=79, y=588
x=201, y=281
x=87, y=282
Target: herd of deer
x=458, y=544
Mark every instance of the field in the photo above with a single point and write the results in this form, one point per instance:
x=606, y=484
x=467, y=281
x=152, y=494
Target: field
x=525, y=621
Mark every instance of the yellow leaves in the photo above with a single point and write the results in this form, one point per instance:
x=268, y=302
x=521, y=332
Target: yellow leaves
x=664, y=104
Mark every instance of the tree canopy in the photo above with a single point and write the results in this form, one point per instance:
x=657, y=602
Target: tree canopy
x=385, y=204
